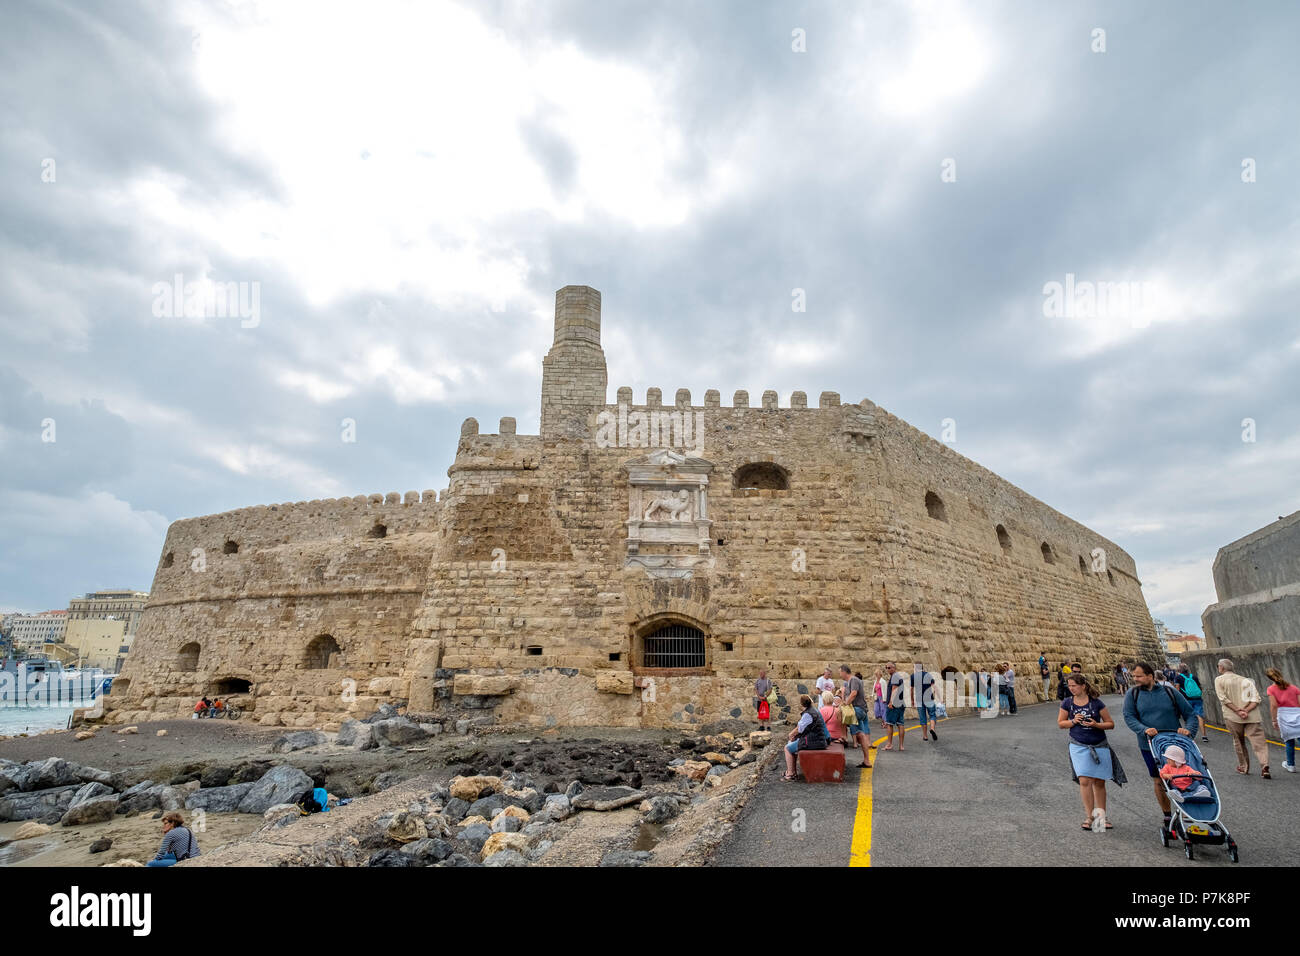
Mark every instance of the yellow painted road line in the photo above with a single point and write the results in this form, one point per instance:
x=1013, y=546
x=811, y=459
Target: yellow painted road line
x=1224, y=730
x=860, y=849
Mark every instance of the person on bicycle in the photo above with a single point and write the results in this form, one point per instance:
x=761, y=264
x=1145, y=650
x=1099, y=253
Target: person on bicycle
x=216, y=708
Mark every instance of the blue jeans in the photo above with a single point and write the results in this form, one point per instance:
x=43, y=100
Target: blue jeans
x=1290, y=752
x=1198, y=708
x=168, y=860
x=924, y=714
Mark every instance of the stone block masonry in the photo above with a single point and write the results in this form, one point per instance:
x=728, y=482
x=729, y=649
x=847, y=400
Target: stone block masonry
x=624, y=568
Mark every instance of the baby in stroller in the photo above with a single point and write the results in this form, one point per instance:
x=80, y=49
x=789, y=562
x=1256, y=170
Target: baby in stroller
x=1182, y=779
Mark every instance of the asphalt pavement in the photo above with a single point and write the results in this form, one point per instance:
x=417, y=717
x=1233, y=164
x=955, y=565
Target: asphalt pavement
x=998, y=792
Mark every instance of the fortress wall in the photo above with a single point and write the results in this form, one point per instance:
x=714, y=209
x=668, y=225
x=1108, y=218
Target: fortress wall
x=882, y=579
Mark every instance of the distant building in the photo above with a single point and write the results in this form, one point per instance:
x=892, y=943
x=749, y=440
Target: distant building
x=94, y=643
x=114, y=604
x=29, y=632
x=1162, y=635
x=1178, y=644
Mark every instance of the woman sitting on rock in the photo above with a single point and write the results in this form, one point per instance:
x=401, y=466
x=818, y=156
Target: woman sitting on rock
x=178, y=841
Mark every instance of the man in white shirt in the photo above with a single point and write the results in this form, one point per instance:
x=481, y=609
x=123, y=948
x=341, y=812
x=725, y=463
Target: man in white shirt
x=825, y=683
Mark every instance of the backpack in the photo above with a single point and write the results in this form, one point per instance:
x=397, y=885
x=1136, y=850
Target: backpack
x=1190, y=687
x=1172, y=700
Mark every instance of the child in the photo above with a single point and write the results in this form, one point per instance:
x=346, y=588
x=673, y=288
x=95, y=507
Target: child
x=1181, y=777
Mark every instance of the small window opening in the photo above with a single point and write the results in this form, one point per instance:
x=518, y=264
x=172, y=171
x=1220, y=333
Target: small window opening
x=1048, y=557
x=934, y=505
x=534, y=651
x=379, y=531
x=230, y=548
x=1004, y=539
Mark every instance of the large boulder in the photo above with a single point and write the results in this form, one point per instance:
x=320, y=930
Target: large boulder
x=87, y=791
x=49, y=773
x=428, y=850
x=93, y=810
x=606, y=798
x=36, y=804
x=215, y=775
x=296, y=740
x=506, y=858
x=398, y=732
x=221, y=799
x=356, y=734
x=488, y=806
x=556, y=807
x=283, y=784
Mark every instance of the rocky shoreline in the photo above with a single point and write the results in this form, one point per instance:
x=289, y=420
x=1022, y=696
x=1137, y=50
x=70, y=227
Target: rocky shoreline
x=411, y=794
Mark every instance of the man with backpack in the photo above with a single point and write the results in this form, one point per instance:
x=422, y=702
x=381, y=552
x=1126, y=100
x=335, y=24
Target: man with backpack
x=1151, y=708
x=1192, y=691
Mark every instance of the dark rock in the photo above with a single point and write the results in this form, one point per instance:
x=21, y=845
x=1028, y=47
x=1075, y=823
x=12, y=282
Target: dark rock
x=284, y=784
x=88, y=790
x=37, y=804
x=573, y=789
x=100, y=845
x=91, y=810
x=662, y=809
x=455, y=809
x=296, y=740
x=398, y=732
x=386, y=780
x=385, y=712
x=474, y=836
x=51, y=819
x=183, y=778
x=735, y=711
x=216, y=775
x=686, y=743
x=357, y=735
x=219, y=799
x=391, y=858
x=428, y=850
x=250, y=772
x=457, y=859
x=440, y=795
x=486, y=807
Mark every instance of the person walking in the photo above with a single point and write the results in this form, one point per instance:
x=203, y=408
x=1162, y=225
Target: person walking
x=1091, y=760
x=895, y=706
x=923, y=695
x=855, y=695
x=809, y=734
x=1046, y=674
x=1009, y=682
x=1192, y=691
x=762, y=688
x=1240, y=699
x=1118, y=677
x=1151, y=709
x=1284, y=701
x=1062, y=691
x=879, y=693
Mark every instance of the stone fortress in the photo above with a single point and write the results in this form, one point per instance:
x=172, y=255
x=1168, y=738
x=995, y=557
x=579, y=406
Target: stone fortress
x=632, y=565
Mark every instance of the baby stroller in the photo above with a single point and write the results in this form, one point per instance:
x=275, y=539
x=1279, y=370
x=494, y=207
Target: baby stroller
x=1195, y=818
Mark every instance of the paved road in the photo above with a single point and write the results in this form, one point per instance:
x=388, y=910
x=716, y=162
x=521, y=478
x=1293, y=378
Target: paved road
x=997, y=792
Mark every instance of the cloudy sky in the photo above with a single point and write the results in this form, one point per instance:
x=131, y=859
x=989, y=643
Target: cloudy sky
x=404, y=186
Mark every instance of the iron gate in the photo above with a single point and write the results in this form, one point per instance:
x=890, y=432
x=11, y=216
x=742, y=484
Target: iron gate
x=677, y=646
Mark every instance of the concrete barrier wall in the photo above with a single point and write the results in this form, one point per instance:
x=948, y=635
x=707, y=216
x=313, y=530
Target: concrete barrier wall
x=1250, y=660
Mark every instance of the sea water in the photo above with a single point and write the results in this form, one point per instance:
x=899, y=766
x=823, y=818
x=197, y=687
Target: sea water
x=32, y=720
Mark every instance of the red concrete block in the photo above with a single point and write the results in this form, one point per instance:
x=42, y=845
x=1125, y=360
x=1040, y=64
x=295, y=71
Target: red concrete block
x=822, y=766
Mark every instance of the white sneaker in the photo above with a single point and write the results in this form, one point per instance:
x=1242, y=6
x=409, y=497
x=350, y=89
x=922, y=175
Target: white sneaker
x=1289, y=768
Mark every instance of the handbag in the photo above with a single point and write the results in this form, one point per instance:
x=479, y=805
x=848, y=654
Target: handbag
x=771, y=697
x=848, y=716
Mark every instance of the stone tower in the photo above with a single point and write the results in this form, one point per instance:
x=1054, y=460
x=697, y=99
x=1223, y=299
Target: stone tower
x=573, y=372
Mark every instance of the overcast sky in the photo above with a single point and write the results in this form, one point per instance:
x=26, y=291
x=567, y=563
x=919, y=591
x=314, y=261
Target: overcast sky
x=405, y=186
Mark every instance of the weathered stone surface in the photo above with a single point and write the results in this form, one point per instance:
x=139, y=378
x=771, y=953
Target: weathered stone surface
x=281, y=815
x=716, y=758
x=478, y=685
x=760, y=738
x=693, y=769
x=470, y=789
x=87, y=791
x=606, y=798
x=626, y=858
x=357, y=735
x=506, y=858
x=296, y=740
x=92, y=810
x=221, y=799
x=282, y=784
x=504, y=841
x=662, y=809
x=428, y=850
x=102, y=844
x=474, y=836
x=406, y=828
x=36, y=805
x=614, y=682
x=556, y=807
